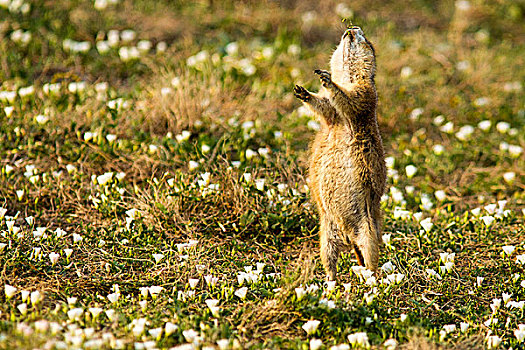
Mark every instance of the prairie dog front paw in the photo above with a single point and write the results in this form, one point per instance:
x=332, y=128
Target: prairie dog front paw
x=325, y=77
x=301, y=93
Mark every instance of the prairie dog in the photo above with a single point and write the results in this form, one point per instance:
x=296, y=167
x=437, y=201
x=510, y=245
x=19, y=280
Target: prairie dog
x=347, y=162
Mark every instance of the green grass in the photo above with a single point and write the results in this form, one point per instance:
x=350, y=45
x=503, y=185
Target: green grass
x=184, y=169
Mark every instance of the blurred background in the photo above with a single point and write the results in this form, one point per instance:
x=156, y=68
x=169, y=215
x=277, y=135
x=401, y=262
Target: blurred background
x=132, y=128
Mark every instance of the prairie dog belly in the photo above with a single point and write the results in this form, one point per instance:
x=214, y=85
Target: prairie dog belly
x=339, y=189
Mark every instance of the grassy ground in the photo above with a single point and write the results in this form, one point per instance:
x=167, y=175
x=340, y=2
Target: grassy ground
x=153, y=187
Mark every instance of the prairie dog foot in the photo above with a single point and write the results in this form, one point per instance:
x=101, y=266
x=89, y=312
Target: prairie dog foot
x=301, y=93
x=325, y=77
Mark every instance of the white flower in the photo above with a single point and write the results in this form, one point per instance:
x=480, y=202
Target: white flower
x=102, y=47
x=506, y=297
x=113, y=297
x=387, y=237
x=212, y=305
x=416, y=113
x=250, y=154
x=300, y=292
x=465, y=132
x=447, y=257
x=154, y=291
x=192, y=165
x=137, y=326
x=259, y=184
x=438, y=150
x=481, y=101
x=508, y=249
x=433, y=273
x=104, y=178
x=155, y=332
x=232, y=48
x=493, y=341
x=515, y=151
x=342, y=346
x=95, y=311
x=111, y=314
x=315, y=343
x=169, y=328
x=42, y=326
x=71, y=168
x=193, y=282
x=8, y=169
x=41, y=119
x=330, y=286
x=77, y=87
x=426, y=202
x=397, y=195
x=36, y=297
x=520, y=333
x=479, y=280
x=449, y=328
x=359, y=339
x=54, y=258
x=487, y=220
x=311, y=326
x=411, y=170
x=344, y=11
x=390, y=162
x=495, y=305
x=111, y=138
x=463, y=326
x=8, y=110
x=77, y=238
x=183, y=136
x=190, y=335
x=313, y=125
x=520, y=259
x=502, y=127
x=158, y=257
x=388, y=267
x=161, y=46
x=485, y=125
x=26, y=91
x=490, y=208
x=448, y=128
x=509, y=177
x=390, y=344
x=210, y=280
x=9, y=291
x=144, y=46
x=241, y=292
x=68, y=252
x=75, y=314
x=405, y=73
x=8, y=96
x=427, y=224
x=440, y=195
x=22, y=308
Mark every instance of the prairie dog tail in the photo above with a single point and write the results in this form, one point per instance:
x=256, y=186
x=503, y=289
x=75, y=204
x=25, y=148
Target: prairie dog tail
x=367, y=241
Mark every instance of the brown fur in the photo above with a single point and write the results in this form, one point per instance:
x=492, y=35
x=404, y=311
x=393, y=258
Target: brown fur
x=347, y=166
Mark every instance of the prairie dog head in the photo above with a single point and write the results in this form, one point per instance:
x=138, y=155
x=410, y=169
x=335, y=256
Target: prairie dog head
x=354, y=59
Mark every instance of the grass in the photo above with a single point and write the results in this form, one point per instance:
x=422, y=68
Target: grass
x=158, y=198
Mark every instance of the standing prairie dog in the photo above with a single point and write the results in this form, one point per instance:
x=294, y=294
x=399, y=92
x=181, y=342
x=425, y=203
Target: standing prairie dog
x=347, y=163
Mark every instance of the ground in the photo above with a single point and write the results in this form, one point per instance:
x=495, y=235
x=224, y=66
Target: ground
x=153, y=184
